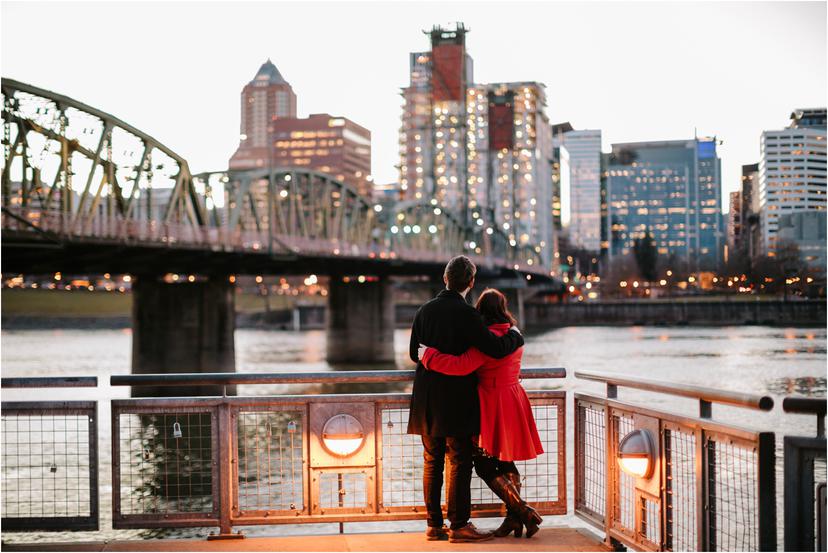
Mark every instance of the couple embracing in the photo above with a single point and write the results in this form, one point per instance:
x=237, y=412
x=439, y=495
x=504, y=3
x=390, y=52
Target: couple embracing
x=469, y=407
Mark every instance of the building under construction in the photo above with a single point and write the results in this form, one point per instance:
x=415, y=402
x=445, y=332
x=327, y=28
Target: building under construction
x=481, y=151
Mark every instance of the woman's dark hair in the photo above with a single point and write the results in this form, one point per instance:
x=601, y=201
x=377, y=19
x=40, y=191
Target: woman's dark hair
x=492, y=305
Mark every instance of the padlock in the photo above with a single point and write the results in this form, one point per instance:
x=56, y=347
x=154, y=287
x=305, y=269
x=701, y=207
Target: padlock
x=176, y=430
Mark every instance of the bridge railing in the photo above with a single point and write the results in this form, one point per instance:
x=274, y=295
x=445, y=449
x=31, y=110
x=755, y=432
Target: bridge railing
x=50, y=459
x=233, y=461
x=711, y=487
x=56, y=225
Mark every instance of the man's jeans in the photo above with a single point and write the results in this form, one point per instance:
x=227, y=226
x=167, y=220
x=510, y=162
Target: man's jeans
x=458, y=497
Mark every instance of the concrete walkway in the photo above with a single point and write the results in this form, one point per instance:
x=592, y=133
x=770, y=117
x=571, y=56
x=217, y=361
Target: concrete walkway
x=548, y=539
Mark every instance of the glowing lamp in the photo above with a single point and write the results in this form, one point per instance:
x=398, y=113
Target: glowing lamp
x=636, y=454
x=342, y=435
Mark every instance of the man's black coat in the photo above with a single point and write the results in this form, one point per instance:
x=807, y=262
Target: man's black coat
x=448, y=405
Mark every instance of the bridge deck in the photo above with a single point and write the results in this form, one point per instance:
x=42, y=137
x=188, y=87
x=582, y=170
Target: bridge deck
x=548, y=539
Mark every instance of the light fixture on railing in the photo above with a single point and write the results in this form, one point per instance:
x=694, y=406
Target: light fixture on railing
x=636, y=454
x=343, y=435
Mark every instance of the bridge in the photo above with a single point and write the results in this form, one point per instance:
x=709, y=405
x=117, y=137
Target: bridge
x=83, y=191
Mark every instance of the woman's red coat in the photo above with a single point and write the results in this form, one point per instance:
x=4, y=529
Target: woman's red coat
x=507, y=425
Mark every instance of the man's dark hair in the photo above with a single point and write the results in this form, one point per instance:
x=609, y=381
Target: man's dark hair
x=459, y=273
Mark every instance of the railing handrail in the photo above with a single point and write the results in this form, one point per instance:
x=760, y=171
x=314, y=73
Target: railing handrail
x=349, y=377
x=50, y=382
x=709, y=395
x=807, y=405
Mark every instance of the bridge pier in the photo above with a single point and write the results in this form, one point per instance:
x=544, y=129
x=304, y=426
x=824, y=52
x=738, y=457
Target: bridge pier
x=514, y=297
x=513, y=289
x=183, y=328
x=361, y=321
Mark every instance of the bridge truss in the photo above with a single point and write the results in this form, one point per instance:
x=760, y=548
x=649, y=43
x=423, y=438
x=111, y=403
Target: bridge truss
x=73, y=173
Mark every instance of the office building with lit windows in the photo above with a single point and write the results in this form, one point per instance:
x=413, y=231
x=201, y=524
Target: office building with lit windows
x=734, y=220
x=791, y=172
x=481, y=151
x=580, y=159
x=268, y=96
x=433, y=134
x=671, y=189
x=321, y=142
x=558, y=131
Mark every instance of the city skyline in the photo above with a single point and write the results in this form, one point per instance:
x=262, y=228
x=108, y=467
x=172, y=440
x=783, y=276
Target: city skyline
x=201, y=121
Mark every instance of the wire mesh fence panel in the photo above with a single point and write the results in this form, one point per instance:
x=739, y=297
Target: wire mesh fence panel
x=680, y=489
x=402, y=461
x=732, y=496
x=650, y=529
x=539, y=476
x=270, y=461
x=343, y=489
x=624, y=484
x=591, y=459
x=166, y=463
x=49, y=472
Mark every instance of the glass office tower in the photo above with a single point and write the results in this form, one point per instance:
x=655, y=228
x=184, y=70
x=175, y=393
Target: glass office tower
x=671, y=189
x=581, y=173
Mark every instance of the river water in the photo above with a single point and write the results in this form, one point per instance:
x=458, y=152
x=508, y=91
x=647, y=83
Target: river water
x=761, y=360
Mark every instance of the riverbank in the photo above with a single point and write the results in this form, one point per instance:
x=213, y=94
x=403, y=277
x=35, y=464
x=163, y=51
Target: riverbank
x=80, y=309
x=799, y=313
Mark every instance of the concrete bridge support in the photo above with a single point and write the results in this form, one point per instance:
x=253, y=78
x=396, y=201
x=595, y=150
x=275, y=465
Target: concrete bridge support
x=183, y=328
x=514, y=297
x=361, y=321
x=513, y=289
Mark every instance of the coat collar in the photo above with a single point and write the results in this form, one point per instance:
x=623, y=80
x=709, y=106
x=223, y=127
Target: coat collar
x=451, y=294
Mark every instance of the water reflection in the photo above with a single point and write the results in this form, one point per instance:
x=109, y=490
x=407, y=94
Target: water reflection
x=811, y=386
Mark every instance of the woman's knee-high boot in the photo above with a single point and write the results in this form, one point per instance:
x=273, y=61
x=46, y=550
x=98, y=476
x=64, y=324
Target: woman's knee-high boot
x=506, y=491
x=512, y=521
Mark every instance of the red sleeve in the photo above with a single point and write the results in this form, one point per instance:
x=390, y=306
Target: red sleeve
x=455, y=365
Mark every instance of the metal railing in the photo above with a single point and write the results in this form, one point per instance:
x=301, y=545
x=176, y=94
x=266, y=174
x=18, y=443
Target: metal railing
x=50, y=460
x=714, y=484
x=805, y=475
x=233, y=461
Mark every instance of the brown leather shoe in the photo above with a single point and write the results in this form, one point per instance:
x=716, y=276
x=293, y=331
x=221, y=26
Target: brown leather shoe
x=437, y=534
x=468, y=534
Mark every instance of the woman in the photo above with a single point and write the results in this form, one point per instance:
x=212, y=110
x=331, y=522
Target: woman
x=507, y=426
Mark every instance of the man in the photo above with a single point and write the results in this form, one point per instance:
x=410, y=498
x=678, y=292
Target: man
x=444, y=409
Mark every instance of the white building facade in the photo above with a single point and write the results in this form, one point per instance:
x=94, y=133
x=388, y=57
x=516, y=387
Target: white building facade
x=791, y=172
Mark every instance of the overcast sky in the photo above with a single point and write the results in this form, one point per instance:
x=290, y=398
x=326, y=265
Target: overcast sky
x=637, y=71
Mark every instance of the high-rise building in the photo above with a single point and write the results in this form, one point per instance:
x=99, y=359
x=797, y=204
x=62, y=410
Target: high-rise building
x=480, y=151
x=558, y=131
x=510, y=163
x=734, y=221
x=792, y=174
x=321, y=142
x=580, y=156
x=671, y=190
x=433, y=160
x=750, y=238
x=267, y=97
